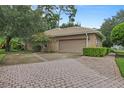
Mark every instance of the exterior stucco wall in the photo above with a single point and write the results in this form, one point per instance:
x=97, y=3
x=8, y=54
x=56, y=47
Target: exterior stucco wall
x=92, y=41
x=99, y=41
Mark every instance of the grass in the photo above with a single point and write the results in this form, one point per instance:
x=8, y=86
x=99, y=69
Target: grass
x=2, y=57
x=2, y=51
x=120, y=61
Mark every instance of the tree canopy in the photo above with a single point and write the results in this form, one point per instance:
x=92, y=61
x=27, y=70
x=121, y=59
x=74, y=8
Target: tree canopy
x=22, y=21
x=52, y=14
x=65, y=25
x=117, y=35
x=109, y=24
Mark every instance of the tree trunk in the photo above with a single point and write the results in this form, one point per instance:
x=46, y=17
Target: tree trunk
x=7, y=43
x=26, y=45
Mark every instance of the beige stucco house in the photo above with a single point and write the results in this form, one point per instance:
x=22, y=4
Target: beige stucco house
x=73, y=39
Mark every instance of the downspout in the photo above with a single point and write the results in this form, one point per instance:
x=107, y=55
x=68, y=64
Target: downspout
x=86, y=40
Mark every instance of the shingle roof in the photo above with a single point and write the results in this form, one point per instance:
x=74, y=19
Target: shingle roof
x=71, y=31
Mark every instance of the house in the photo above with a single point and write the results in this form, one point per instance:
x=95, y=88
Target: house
x=73, y=39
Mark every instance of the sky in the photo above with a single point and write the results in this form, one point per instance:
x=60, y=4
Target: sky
x=93, y=16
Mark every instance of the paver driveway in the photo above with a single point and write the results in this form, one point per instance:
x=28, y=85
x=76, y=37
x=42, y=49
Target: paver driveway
x=58, y=73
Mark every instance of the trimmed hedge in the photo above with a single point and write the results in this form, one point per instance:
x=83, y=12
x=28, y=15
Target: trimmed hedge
x=108, y=50
x=95, y=52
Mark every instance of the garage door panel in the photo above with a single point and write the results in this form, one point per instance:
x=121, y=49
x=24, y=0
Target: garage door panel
x=71, y=45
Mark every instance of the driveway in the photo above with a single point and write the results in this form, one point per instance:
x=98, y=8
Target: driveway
x=23, y=58
x=61, y=73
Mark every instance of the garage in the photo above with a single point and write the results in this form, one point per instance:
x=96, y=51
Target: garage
x=73, y=45
x=73, y=39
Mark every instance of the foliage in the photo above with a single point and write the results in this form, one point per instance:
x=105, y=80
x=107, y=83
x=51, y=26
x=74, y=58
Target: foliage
x=39, y=41
x=23, y=21
x=1, y=40
x=120, y=63
x=20, y=21
x=109, y=24
x=64, y=25
x=52, y=13
x=17, y=44
x=117, y=35
x=36, y=48
x=2, y=43
x=107, y=42
x=108, y=51
x=40, y=38
x=96, y=52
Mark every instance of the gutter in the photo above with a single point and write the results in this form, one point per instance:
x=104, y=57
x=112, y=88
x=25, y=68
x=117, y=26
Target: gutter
x=87, y=40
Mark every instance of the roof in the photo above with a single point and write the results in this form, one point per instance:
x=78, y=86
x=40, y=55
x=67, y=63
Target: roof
x=71, y=31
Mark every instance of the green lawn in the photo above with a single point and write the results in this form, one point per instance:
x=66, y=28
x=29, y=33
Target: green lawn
x=120, y=61
x=2, y=57
x=2, y=51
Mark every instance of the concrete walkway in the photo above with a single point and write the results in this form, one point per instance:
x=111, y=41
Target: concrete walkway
x=61, y=73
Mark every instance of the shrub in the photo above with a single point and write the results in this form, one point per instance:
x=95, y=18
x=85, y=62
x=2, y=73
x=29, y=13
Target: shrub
x=16, y=44
x=36, y=48
x=40, y=41
x=96, y=52
x=108, y=50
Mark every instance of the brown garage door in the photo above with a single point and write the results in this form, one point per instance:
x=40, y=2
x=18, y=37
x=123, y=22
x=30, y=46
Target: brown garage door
x=71, y=45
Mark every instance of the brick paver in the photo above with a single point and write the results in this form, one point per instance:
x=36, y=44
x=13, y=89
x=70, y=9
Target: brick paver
x=105, y=66
x=59, y=73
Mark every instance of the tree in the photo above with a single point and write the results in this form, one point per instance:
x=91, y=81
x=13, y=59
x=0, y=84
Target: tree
x=20, y=21
x=23, y=22
x=117, y=34
x=106, y=31
x=69, y=10
x=53, y=13
x=6, y=21
x=70, y=25
x=109, y=24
